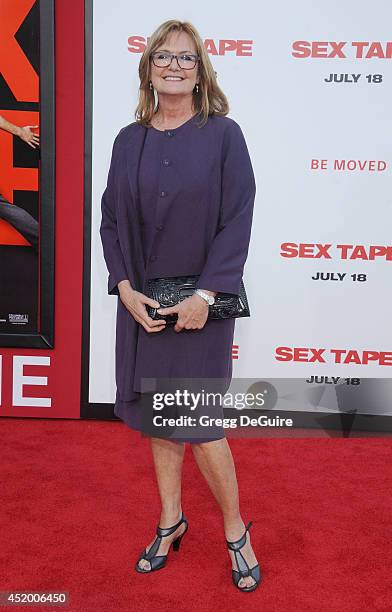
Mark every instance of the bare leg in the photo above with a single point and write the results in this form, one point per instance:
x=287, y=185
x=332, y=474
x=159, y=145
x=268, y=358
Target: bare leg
x=168, y=458
x=21, y=220
x=216, y=463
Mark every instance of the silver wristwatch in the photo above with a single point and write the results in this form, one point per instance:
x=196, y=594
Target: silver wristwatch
x=208, y=298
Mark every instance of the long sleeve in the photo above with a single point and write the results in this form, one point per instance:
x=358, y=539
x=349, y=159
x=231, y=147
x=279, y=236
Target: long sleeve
x=226, y=258
x=108, y=231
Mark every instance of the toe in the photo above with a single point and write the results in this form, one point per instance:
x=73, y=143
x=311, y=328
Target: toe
x=144, y=564
x=246, y=582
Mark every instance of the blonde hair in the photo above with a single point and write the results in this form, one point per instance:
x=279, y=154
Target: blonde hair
x=210, y=98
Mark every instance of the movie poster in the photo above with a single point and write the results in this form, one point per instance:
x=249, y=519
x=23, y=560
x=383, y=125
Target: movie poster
x=21, y=206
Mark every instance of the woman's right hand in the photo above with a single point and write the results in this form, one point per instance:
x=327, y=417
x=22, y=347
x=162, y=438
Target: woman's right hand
x=134, y=302
x=28, y=136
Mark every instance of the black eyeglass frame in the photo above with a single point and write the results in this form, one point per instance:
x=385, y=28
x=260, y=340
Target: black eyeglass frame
x=172, y=55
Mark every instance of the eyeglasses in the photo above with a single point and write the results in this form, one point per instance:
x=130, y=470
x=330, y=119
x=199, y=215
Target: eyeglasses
x=163, y=60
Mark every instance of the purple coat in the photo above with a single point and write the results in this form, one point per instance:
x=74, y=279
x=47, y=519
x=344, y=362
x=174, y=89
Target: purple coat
x=209, y=237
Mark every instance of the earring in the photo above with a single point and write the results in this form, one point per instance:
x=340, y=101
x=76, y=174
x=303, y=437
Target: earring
x=151, y=87
x=197, y=88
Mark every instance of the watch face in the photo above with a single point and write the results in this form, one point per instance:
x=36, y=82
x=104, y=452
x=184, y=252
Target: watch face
x=211, y=300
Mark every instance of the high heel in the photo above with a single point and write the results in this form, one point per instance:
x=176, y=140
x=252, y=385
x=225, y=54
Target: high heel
x=159, y=562
x=243, y=567
x=177, y=541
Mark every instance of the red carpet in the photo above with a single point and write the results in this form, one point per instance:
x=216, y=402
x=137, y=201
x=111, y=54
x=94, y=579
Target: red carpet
x=79, y=503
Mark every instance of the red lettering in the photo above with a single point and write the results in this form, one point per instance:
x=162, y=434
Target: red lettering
x=244, y=47
x=136, y=44
x=370, y=356
x=359, y=252
x=319, y=49
x=344, y=249
x=283, y=353
x=386, y=358
x=317, y=355
x=378, y=251
x=318, y=164
x=375, y=50
x=352, y=357
x=227, y=45
x=289, y=249
x=359, y=46
x=323, y=251
x=337, y=49
x=210, y=46
x=17, y=71
x=306, y=250
x=301, y=48
x=300, y=354
x=338, y=354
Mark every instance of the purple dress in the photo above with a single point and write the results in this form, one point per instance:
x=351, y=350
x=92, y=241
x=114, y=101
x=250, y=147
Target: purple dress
x=200, y=354
x=177, y=202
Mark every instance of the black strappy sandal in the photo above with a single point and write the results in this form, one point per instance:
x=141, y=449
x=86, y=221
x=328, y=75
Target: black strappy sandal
x=243, y=568
x=158, y=562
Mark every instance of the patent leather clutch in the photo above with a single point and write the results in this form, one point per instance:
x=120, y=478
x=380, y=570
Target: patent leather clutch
x=170, y=291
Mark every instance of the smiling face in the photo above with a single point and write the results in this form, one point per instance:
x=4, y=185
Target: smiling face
x=173, y=80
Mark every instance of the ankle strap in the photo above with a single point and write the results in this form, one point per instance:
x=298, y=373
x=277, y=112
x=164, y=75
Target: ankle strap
x=241, y=542
x=165, y=531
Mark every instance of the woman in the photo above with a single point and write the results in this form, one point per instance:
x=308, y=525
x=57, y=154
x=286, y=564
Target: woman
x=179, y=201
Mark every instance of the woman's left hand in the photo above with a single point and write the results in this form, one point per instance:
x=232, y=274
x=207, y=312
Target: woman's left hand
x=192, y=313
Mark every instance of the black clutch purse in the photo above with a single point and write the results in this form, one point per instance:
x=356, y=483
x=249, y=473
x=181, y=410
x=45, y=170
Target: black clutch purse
x=170, y=291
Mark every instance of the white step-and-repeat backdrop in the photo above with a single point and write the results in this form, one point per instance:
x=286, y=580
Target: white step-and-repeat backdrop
x=310, y=85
